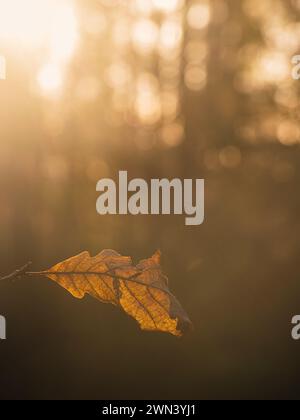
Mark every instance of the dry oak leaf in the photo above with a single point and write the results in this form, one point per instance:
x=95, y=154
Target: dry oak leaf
x=141, y=290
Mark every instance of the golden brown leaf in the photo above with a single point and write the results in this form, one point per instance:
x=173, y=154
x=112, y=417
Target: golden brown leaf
x=141, y=291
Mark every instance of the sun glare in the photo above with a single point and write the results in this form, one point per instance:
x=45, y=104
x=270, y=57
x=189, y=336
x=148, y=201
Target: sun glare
x=50, y=79
x=48, y=27
x=24, y=22
x=30, y=23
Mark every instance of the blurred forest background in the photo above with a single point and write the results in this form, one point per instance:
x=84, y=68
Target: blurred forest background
x=160, y=88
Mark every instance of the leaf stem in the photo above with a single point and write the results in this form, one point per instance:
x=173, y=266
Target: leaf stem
x=133, y=278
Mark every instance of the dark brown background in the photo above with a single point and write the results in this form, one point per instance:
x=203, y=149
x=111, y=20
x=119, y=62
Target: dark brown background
x=237, y=275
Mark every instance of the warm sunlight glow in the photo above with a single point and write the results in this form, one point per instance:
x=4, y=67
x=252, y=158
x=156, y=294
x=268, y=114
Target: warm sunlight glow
x=167, y=6
x=44, y=27
x=64, y=32
x=24, y=22
x=144, y=36
x=50, y=79
x=30, y=23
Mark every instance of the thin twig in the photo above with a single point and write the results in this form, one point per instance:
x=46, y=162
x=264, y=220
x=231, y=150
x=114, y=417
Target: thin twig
x=133, y=278
x=17, y=273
